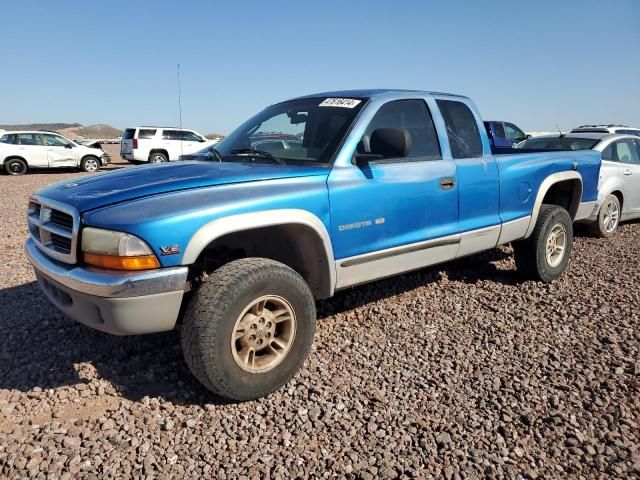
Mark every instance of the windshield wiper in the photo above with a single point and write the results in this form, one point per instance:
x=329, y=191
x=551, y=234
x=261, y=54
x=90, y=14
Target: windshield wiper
x=217, y=154
x=260, y=153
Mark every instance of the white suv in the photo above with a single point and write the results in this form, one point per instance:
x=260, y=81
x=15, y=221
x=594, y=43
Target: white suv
x=160, y=144
x=22, y=150
x=620, y=129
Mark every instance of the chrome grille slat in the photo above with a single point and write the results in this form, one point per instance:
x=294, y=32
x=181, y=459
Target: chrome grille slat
x=54, y=228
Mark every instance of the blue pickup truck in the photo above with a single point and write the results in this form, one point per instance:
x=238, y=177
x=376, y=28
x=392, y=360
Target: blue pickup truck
x=237, y=247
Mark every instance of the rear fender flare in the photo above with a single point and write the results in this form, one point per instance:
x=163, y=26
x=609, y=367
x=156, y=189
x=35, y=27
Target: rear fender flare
x=546, y=184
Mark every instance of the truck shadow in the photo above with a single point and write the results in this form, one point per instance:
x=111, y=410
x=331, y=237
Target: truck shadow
x=41, y=348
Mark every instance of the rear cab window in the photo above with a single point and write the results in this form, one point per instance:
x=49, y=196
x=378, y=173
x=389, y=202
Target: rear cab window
x=462, y=129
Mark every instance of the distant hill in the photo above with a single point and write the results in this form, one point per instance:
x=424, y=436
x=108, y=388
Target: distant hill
x=41, y=126
x=71, y=130
x=213, y=136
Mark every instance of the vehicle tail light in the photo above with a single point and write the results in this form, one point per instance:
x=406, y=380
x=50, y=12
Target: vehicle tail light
x=135, y=143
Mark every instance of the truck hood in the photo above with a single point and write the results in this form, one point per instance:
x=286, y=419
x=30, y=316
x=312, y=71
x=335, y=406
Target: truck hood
x=127, y=184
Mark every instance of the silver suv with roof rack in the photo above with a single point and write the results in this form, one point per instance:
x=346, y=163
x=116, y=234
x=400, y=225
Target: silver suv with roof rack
x=611, y=128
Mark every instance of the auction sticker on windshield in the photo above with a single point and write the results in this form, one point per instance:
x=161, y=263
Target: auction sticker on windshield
x=340, y=102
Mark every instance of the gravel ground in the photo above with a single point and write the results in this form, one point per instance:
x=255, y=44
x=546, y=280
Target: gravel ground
x=460, y=371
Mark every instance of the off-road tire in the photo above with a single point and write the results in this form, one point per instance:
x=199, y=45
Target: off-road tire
x=211, y=316
x=531, y=254
x=87, y=162
x=598, y=228
x=15, y=166
x=158, y=157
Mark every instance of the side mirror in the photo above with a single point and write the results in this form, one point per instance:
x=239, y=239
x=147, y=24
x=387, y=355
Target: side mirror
x=390, y=142
x=527, y=136
x=386, y=143
x=69, y=145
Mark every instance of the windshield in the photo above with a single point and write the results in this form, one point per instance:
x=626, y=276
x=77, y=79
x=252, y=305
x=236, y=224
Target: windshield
x=299, y=132
x=558, y=143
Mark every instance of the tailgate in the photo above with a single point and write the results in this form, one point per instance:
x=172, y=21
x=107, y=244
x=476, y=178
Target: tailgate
x=126, y=145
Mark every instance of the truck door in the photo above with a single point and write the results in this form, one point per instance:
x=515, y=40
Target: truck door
x=60, y=152
x=478, y=178
x=394, y=203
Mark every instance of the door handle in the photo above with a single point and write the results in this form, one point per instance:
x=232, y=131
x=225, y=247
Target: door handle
x=627, y=172
x=447, y=183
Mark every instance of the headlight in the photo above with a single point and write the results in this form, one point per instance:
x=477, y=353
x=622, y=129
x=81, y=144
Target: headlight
x=116, y=250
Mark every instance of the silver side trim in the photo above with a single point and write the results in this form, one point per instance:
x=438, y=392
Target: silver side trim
x=546, y=184
x=478, y=240
x=392, y=261
x=514, y=230
x=107, y=283
x=266, y=218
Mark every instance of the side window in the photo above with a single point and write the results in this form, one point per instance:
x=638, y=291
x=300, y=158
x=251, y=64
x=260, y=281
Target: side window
x=54, y=141
x=462, y=129
x=171, y=135
x=190, y=137
x=513, y=132
x=29, y=139
x=609, y=154
x=146, y=133
x=498, y=130
x=627, y=152
x=413, y=116
x=8, y=138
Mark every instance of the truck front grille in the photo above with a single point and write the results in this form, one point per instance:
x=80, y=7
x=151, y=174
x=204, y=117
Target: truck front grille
x=54, y=227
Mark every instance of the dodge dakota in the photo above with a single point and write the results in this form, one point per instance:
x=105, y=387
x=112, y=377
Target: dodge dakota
x=236, y=248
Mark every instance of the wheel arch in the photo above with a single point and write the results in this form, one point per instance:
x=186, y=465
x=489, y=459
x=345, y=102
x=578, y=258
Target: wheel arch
x=89, y=155
x=563, y=189
x=14, y=157
x=294, y=237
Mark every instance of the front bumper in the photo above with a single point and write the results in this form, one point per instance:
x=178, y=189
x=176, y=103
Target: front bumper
x=119, y=303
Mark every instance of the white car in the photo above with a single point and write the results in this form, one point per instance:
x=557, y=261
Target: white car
x=160, y=144
x=24, y=150
x=619, y=184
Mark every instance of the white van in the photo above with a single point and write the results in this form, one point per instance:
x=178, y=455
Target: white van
x=160, y=144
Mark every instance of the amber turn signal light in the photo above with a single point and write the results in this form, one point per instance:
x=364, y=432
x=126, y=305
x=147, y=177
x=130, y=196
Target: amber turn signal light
x=114, y=262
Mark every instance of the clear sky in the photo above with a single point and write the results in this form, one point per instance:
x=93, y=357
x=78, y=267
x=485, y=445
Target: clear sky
x=535, y=63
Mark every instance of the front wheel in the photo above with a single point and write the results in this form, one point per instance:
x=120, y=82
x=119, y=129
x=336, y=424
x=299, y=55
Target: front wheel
x=544, y=256
x=606, y=224
x=89, y=164
x=248, y=328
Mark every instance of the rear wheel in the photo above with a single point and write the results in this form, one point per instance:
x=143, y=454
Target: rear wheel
x=89, y=164
x=248, y=328
x=544, y=256
x=158, y=157
x=15, y=166
x=608, y=217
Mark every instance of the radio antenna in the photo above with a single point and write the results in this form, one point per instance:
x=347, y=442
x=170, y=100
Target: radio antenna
x=180, y=113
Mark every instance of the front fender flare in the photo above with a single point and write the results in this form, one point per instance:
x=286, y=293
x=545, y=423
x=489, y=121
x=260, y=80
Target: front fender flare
x=265, y=218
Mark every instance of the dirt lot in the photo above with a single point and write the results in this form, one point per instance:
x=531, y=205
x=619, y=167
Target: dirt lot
x=460, y=371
